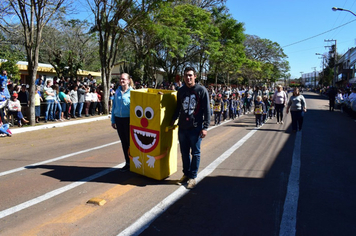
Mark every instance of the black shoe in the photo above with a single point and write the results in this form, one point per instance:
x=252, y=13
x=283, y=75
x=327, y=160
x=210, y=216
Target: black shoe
x=45, y=121
x=125, y=168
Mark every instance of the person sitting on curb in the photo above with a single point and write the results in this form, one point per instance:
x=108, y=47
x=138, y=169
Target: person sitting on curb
x=4, y=129
x=14, y=107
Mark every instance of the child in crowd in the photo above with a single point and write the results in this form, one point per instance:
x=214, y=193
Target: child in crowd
x=63, y=99
x=260, y=109
x=4, y=129
x=218, y=109
x=267, y=106
x=57, y=111
x=271, y=112
x=239, y=105
x=226, y=107
x=246, y=102
x=111, y=97
x=38, y=100
x=69, y=104
x=232, y=103
x=88, y=99
x=212, y=102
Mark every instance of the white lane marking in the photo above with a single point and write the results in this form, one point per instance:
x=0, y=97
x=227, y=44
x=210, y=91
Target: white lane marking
x=56, y=192
x=57, y=125
x=145, y=220
x=57, y=158
x=289, y=217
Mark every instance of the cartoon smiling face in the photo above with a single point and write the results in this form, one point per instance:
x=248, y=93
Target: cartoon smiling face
x=145, y=139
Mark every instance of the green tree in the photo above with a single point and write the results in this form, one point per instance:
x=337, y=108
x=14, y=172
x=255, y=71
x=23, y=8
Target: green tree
x=33, y=16
x=113, y=19
x=69, y=47
x=185, y=32
x=272, y=63
x=230, y=55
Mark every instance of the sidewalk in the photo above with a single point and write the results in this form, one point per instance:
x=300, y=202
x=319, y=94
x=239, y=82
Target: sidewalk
x=50, y=124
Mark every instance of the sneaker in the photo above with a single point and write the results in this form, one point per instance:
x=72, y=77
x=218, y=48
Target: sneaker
x=125, y=168
x=182, y=180
x=277, y=122
x=191, y=183
x=281, y=122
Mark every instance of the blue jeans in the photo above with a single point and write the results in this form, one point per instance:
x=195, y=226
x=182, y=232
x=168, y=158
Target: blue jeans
x=297, y=120
x=57, y=107
x=49, y=110
x=74, y=108
x=4, y=128
x=189, y=141
x=80, y=108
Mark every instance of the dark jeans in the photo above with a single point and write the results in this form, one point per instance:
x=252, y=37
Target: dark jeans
x=123, y=129
x=279, y=110
x=258, y=119
x=297, y=120
x=331, y=104
x=93, y=108
x=189, y=141
x=217, y=117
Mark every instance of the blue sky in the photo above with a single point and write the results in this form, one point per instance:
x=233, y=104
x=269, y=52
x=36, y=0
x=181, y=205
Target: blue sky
x=290, y=21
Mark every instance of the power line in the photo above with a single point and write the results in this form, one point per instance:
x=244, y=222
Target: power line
x=319, y=34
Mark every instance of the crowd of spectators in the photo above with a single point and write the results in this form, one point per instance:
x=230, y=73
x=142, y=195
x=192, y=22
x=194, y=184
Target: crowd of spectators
x=56, y=99
x=343, y=98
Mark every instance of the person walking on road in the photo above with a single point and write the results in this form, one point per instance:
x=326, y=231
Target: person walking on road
x=332, y=96
x=279, y=100
x=120, y=116
x=193, y=110
x=297, y=106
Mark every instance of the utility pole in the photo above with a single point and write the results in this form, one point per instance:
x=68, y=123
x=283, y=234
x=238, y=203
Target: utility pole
x=314, y=77
x=301, y=77
x=335, y=59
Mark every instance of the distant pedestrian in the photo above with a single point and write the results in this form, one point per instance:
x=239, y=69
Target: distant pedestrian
x=332, y=96
x=297, y=106
x=260, y=110
x=279, y=101
x=193, y=110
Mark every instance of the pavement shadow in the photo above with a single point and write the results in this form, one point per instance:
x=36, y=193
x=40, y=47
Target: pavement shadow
x=228, y=205
x=110, y=175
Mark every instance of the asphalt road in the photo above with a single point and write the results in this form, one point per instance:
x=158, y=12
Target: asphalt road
x=47, y=177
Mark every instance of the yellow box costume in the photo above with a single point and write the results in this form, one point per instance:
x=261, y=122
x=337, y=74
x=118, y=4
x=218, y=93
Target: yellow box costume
x=153, y=144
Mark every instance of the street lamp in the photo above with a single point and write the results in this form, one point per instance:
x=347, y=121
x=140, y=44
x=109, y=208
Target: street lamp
x=341, y=9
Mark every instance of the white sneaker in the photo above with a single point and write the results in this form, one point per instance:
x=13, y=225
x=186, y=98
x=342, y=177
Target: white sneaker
x=191, y=183
x=277, y=122
x=281, y=122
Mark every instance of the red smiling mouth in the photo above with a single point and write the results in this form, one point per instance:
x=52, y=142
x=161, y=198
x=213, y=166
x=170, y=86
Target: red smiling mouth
x=145, y=140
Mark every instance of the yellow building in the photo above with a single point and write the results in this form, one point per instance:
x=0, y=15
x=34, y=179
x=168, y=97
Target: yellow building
x=48, y=72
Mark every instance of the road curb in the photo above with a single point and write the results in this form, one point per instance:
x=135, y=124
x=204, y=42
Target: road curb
x=58, y=124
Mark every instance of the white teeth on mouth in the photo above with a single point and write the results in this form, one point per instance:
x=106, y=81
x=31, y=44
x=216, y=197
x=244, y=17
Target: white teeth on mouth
x=145, y=134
